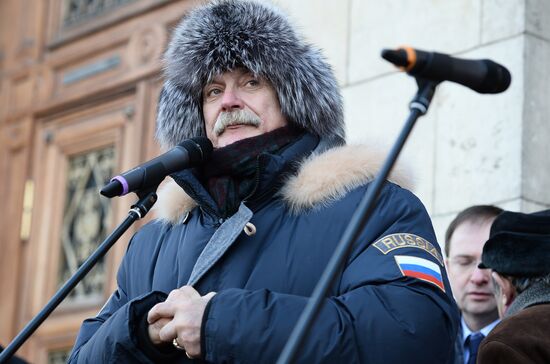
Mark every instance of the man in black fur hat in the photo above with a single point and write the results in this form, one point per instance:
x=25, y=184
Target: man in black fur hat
x=226, y=270
x=518, y=253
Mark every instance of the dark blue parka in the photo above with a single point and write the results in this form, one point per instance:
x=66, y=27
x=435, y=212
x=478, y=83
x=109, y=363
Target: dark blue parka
x=387, y=306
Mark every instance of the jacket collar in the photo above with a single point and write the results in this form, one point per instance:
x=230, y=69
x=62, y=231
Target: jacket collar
x=536, y=294
x=323, y=177
x=271, y=169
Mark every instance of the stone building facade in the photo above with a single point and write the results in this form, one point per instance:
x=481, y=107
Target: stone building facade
x=78, y=87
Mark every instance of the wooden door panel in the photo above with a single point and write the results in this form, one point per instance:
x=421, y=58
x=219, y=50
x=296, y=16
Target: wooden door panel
x=14, y=161
x=76, y=152
x=68, y=89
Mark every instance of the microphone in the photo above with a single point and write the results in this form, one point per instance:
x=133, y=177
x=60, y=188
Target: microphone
x=190, y=153
x=483, y=76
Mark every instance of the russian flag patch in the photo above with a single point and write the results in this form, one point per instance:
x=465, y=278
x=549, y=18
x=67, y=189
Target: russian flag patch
x=420, y=268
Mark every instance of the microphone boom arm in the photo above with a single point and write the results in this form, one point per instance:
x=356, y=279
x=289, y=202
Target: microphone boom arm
x=418, y=107
x=146, y=201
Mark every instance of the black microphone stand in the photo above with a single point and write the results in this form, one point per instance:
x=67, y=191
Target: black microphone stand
x=146, y=201
x=418, y=107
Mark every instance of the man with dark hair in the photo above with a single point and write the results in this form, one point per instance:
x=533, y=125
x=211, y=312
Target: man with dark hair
x=472, y=287
x=240, y=243
x=518, y=255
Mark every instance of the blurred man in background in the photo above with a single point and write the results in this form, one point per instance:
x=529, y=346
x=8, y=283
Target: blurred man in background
x=471, y=286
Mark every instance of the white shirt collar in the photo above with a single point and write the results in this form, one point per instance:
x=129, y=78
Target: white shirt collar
x=466, y=332
x=485, y=331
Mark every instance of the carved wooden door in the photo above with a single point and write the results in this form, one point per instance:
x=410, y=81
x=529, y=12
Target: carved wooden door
x=79, y=82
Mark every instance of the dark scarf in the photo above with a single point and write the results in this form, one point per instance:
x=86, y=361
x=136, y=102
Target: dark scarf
x=230, y=175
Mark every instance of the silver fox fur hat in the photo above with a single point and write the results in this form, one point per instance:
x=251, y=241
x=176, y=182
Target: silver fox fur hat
x=229, y=34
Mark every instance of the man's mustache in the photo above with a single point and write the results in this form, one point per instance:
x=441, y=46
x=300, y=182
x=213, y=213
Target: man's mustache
x=239, y=117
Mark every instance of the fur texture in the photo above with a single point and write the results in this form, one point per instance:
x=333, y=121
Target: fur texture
x=312, y=187
x=349, y=166
x=173, y=203
x=228, y=34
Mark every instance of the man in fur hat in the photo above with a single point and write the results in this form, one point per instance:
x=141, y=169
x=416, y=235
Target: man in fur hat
x=518, y=253
x=226, y=270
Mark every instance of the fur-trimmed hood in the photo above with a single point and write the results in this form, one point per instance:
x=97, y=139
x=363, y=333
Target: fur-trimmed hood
x=228, y=34
x=311, y=187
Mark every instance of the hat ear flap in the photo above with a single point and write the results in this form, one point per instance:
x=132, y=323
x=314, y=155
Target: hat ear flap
x=178, y=116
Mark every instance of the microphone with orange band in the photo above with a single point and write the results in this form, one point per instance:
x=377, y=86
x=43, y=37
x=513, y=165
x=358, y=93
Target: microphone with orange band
x=483, y=76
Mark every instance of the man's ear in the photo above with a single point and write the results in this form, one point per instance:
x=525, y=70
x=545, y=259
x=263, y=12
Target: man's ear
x=507, y=290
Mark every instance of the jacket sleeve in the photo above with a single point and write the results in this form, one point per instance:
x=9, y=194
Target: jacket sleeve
x=112, y=336
x=379, y=311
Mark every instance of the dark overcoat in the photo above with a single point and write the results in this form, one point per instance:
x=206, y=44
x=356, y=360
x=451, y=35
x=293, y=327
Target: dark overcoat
x=392, y=302
x=521, y=338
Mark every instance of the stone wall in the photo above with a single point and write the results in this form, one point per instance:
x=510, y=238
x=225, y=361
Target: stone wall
x=469, y=148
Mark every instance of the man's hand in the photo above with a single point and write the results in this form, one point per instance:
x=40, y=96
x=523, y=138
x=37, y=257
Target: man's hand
x=155, y=328
x=180, y=316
